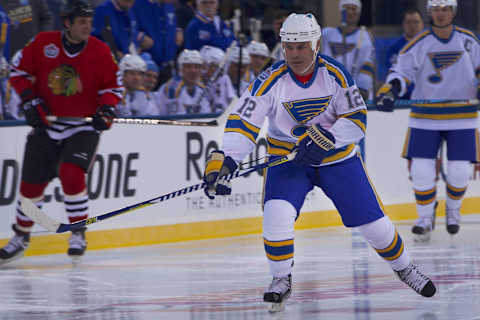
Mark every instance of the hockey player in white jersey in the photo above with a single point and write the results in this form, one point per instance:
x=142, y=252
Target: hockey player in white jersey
x=259, y=57
x=352, y=46
x=239, y=71
x=136, y=101
x=444, y=63
x=315, y=109
x=219, y=87
x=184, y=94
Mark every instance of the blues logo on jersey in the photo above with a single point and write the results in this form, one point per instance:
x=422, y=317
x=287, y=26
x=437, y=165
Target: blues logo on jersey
x=440, y=61
x=304, y=110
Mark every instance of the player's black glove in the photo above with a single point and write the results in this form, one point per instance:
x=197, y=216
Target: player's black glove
x=313, y=146
x=103, y=118
x=217, y=168
x=36, y=112
x=386, y=96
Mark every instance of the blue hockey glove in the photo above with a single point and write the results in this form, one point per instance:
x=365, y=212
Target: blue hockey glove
x=36, y=112
x=218, y=166
x=386, y=96
x=313, y=146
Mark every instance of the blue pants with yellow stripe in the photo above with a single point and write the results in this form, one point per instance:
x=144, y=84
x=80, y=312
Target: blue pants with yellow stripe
x=348, y=186
x=345, y=183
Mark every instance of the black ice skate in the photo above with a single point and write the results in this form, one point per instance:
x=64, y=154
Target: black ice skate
x=15, y=247
x=424, y=226
x=417, y=280
x=278, y=292
x=77, y=244
x=453, y=220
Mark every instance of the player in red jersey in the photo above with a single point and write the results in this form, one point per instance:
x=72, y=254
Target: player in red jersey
x=67, y=73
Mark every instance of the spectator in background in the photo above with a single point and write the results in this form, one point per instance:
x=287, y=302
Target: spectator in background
x=276, y=45
x=219, y=86
x=158, y=21
x=186, y=93
x=412, y=24
x=115, y=24
x=136, y=102
x=150, y=80
x=27, y=18
x=238, y=70
x=207, y=28
x=352, y=45
x=259, y=57
x=185, y=12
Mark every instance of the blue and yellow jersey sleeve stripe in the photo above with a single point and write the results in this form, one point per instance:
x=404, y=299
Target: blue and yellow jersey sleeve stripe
x=414, y=41
x=368, y=68
x=337, y=71
x=239, y=125
x=468, y=33
x=278, y=147
x=358, y=117
x=173, y=89
x=260, y=87
x=339, y=154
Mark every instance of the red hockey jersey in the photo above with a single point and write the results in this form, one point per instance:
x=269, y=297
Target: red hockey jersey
x=71, y=85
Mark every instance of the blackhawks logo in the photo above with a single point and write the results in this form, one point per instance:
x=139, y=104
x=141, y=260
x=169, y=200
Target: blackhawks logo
x=64, y=80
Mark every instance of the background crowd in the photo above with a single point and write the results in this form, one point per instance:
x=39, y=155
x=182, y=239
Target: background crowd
x=181, y=57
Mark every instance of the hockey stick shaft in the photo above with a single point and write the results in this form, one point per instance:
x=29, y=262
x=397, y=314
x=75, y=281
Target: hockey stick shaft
x=211, y=123
x=406, y=104
x=34, y=213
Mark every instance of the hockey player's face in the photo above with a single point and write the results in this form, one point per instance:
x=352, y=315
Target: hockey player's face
x=257, y=62
x=412, y=24
x=80, y=29
x=133, y=79
x=353, y=14
x=210, y=70
x=299, y=55
x=442, y=16
x=191, y=72
x=150, y=80
x=208, y=7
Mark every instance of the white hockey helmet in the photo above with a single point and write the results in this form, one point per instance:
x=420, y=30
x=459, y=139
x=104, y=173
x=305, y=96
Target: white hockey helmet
x=301, y=28
x=212, y=54
x=189, y=56
x=357, y=3
x=258, y=48
x=235, y=56
x=442, y=3
x=132, y=62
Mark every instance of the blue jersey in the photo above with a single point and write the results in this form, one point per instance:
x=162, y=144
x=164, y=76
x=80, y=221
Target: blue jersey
x=159, y=22
x=392, y=54
x=203, y=31
x=123, y=25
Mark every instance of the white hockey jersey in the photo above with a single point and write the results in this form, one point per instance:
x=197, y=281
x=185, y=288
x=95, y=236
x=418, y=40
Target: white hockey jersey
x=330, y=98
x=355, y=51
x=174, y=98
x=440, y=69
x=221, y=93
x=137, y=103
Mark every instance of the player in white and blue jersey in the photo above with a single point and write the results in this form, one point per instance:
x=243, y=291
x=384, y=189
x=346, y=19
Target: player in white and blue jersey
x=444, y=63
x=315, y=109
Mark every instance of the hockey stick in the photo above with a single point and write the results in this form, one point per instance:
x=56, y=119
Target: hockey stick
x=34, y=213
x=405, y=104
x=211, y=123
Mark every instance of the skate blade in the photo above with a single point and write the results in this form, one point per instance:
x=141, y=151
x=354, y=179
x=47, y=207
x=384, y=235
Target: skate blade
x=15, y=257
x=276, y=307
x=422, y=237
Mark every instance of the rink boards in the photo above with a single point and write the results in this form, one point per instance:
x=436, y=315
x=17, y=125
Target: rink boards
x=140, y=162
